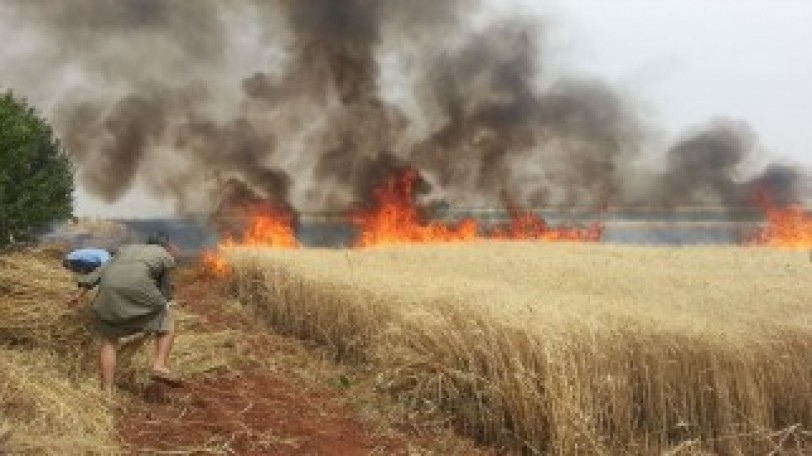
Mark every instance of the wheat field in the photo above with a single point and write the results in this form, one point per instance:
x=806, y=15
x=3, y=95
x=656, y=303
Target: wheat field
x=564, y=348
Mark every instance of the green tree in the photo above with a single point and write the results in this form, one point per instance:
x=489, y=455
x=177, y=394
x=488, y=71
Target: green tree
x=36, y=176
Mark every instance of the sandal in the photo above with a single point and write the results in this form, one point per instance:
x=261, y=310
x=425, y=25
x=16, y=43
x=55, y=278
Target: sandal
x=167, y=377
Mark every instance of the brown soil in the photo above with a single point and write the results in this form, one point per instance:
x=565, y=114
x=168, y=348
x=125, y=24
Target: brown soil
x=249, y=413
x=256, y=410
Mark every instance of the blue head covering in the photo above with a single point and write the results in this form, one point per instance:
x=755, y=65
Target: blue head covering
x=85, y=261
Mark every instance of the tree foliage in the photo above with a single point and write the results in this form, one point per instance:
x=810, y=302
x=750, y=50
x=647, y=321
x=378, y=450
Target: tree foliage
x=36, y=176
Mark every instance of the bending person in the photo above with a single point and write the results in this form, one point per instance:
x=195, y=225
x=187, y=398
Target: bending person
x=135, y=296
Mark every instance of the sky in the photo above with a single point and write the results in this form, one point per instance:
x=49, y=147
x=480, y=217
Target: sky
x=688, y=61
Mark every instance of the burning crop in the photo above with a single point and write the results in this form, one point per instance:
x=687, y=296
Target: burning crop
x=393, y=213
x=262, y=226
x=787, y=227
x=394, y=216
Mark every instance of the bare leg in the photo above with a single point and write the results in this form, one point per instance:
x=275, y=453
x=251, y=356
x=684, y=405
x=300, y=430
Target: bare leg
x=164, y=341
x=163, y=347
x=107, y=364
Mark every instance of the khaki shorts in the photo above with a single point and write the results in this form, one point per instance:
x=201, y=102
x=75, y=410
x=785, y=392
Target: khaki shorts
x=159, y=322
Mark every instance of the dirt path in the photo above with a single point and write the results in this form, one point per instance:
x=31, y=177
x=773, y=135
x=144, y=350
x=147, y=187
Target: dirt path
x=245, y=411
x=249, y=413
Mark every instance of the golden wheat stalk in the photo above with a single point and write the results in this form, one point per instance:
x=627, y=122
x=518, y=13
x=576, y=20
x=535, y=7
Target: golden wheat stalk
x=563, y=349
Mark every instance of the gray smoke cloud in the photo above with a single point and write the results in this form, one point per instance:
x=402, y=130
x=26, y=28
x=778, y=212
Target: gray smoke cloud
x=214, y=104
x=707, y=166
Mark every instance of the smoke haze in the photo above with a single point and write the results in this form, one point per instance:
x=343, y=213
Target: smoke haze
x=212, y=104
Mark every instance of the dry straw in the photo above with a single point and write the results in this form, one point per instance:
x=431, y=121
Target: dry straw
x=48, y=412
x=34, y=290
x=50, y=402
x=565, y=349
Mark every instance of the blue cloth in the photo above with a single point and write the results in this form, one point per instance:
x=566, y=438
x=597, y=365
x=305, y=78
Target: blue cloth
x=85, y=261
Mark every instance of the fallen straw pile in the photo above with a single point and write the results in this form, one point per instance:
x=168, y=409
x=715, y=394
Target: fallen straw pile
x=45, y=411
x=565, y=349
x=34, y=289
x=50, y=402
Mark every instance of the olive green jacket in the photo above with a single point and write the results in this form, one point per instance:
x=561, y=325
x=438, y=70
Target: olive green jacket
x=136, y=282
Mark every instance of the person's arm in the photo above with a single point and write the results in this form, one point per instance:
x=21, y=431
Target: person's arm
x=86, y=283
x=77, y=296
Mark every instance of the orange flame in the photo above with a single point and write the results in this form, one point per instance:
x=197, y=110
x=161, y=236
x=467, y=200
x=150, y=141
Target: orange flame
x=787, y=227
x=525, y=224
x=396, y=219
x=266, y=228
x=216, y=263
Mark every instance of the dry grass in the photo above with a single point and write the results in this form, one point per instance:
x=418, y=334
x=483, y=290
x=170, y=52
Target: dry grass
x=33, y=292
x=47, y=412
x=565, y=349
x=48, y=405
x=49, y=397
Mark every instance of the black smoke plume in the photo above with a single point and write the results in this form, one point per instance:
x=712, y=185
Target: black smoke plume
x=290, y=103
x=708, y=164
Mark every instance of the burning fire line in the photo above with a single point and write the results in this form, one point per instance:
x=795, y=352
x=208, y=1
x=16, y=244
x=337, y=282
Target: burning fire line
x=395, y=217
x=266, y=228
x=527, y=225
x=786, y=227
